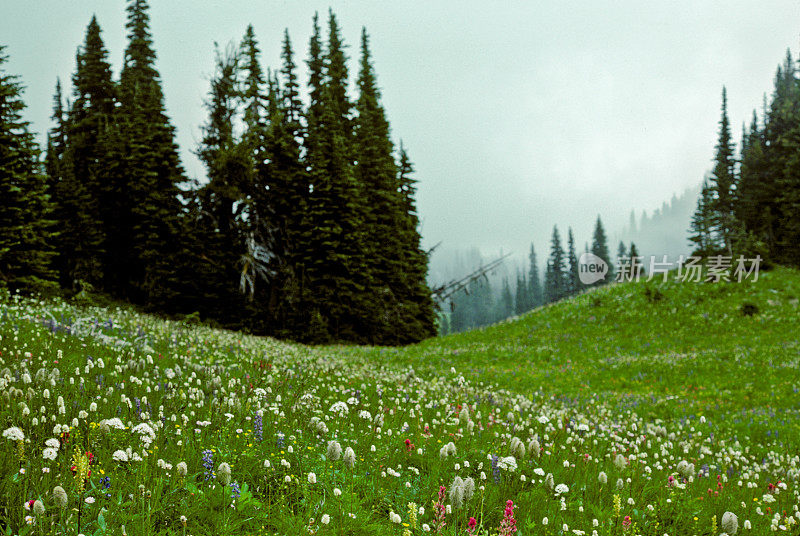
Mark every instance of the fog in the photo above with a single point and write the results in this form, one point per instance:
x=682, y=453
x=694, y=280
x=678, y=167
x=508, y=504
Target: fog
x=518, y=115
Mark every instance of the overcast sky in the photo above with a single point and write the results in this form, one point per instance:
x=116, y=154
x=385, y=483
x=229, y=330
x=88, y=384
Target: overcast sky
x=518, y=114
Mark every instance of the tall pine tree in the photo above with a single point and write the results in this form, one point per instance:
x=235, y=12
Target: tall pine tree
x=25, y=225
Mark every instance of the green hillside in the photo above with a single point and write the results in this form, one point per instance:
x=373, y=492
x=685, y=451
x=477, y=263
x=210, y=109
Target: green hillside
x=635, y=409
x=665, y=350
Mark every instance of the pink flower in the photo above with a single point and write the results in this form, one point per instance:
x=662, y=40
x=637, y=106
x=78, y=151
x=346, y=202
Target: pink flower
x=509, y=525
x=471, y=524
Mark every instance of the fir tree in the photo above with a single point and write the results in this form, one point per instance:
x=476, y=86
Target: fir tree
x=148, y=223
x=621, y=251
x=557, y=275
x=521, y=295
x=81, y=190
x=701, y=231
x=600, y=249
x=535, y=293
x=25, y=225
x=723, y=183
x=573, y=283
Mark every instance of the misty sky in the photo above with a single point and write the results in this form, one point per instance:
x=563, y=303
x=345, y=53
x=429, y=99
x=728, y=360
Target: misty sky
x=518, y=115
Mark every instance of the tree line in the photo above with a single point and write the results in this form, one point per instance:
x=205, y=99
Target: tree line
x=481, y=304
x=306, y=228
x=749, y=203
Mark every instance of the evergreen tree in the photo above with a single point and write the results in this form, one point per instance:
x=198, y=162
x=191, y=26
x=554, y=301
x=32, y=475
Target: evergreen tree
x=723, y=183
x=535, y=293
x=229, y=169
x=637, y=266
x=418, y=300
x=81, y=191
x=701, y=230
x=337, y=269
x=291, y=88
x=557, y=275
x=600, y=248
x=621, y=251
x=506, y=302
x=573, y=283
x=25, y=225
x=143, y=157
x=376, y=172
x=521, y=295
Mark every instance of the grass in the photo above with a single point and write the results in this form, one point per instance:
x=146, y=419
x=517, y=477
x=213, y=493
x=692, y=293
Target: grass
x=634, y=409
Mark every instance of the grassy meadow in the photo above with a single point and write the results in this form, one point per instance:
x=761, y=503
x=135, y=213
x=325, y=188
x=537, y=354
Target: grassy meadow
x=635, y=409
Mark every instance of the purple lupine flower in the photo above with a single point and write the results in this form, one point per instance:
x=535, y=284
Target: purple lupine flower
x=280, y=440
x=258, y=426
x=208, y=463
x=235, y=490
x=495, y=469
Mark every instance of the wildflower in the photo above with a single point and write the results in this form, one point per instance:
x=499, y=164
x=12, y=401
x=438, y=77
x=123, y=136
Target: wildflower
x=561, y=488
x=325, y=519
x=730, y=523
x=533, y=448
x=509, y=525
x=457, y=492
x=38, y=507
x=469, y=488
x=471, y=524
x=60, y=497
x=617, y=505
x=120, y=456
x=412, y=515
x=181, y=469
x=89, y=500
x=208, y=463
x=395, y=518
x=14, y=434
x=747, y=524
x=224, y=474
x=312, y=478
x=334, y=450
x=49, y=453
x=349, y=457
x=183, y=520
x=548, y=482
x=620, y=462
x=620, y=483
x=236, y=491
x=626, y=521
x=337, y=492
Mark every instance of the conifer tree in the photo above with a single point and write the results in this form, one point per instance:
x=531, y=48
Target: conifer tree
x=600, y=248
x=621, y=251
x=701, y=230
x=535, y=293
x=25, y=225
x=557, y=276
x=506, y=302
x=81, y=191
x=337, y=270
x=148, y=212
x=521, y=295
x=418, y=299
x=723, y=183
x=573, y=283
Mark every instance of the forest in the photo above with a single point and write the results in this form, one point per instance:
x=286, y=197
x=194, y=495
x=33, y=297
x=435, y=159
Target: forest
x=306, y=228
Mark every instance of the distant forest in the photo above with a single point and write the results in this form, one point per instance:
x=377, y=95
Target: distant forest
x=750, y=204
x=487, y=300
x=306, y=229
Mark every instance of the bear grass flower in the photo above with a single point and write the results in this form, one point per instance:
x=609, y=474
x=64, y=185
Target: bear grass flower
x=224, y=474
x=14, y=434
x=60, y=497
